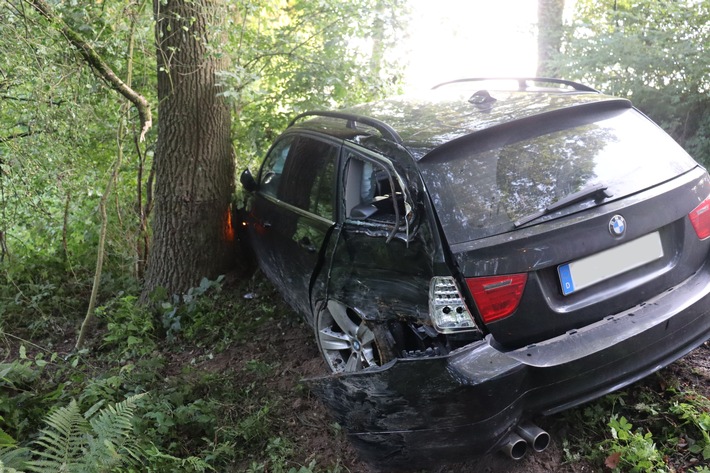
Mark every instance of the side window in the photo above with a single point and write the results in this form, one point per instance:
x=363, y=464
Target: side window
x=372, y=192
x=309, y=176
x=323, y=191
x=273, y=167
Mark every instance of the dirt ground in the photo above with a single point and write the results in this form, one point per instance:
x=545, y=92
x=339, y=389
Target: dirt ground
x=292, y=348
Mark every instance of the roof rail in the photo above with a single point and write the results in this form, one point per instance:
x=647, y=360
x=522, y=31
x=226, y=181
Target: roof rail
x=352, y=120
x=523, y=82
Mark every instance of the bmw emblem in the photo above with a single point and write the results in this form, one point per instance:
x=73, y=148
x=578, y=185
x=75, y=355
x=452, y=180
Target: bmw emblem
x=617, y=225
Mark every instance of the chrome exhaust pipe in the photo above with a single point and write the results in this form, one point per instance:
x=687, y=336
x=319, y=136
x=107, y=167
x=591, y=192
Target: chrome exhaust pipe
x=515, y=447
x=537, y=438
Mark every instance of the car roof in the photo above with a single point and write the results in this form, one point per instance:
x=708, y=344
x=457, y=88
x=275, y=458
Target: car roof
x=423, y=122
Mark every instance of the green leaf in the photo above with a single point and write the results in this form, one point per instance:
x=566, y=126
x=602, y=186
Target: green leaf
x=6, y=440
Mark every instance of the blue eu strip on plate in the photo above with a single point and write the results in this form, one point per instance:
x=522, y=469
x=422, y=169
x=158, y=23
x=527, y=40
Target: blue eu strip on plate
x=566, y=279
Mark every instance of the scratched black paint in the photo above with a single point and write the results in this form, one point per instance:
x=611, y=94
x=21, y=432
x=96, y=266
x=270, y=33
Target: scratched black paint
x=453, y=186
x=466, y=403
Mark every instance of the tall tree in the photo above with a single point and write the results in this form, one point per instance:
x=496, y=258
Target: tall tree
x=60, y=122
x=652, y=52
x=194, y=164
x=549, y=35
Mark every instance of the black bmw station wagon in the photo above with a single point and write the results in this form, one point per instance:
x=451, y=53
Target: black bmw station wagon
x=480, y=255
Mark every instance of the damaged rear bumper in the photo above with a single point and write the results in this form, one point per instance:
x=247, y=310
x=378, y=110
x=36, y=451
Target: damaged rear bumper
x=465, y=404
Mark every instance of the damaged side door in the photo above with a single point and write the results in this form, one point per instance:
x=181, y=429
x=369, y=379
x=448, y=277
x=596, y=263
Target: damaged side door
x=380, y=265
x=294, y=211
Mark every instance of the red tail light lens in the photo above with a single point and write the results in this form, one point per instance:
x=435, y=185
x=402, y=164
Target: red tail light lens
x=700, y=218
x=497, y=297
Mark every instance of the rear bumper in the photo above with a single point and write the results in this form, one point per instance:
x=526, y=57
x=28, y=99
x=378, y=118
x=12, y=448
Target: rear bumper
x=464, y=404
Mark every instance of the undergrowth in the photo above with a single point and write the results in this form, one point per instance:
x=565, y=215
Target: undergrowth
x=171, y=388
x=148, y=394
x=657, y=425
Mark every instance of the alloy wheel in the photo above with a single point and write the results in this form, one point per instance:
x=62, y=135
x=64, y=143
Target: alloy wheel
x=347, y=344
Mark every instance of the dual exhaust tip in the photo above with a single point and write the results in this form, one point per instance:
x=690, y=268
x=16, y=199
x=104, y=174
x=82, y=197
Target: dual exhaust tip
x=525, y=435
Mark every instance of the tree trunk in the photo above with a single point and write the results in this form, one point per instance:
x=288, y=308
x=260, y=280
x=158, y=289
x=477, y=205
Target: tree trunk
x=549, y=35
x=194, y=164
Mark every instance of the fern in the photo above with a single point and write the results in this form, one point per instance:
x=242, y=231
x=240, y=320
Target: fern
x=62, y=442
x=112, y=443
x=7, y=469
x=76, y=443
x=13, y=459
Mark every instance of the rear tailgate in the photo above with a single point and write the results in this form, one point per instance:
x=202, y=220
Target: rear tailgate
x=577, y=269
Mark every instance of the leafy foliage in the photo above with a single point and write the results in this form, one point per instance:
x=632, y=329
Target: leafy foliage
x=633, y=448
x=130, y=328
x=311, y=55
x=652, y=52
x=194, y=419
x=61, y=124
x=695, y=412
x=669, y=430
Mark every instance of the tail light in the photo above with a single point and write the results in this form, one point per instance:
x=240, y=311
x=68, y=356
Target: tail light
x=700, y=218
x=497, y=297
x=447, y=309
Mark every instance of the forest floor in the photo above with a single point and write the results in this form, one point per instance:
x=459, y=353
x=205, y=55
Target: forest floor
x=289, y=346
x=228, y=388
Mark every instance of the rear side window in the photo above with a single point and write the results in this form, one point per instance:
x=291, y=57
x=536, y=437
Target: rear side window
x=309, y=176
x=372, y=192
x=481, y=192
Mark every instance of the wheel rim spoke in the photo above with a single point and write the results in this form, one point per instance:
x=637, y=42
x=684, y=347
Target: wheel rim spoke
x=330, y=340
x=340, y=317
x=365, y=335
x=353, y=363
x=368, y=357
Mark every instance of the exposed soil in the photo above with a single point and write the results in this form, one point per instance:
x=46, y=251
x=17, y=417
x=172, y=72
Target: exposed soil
x=290, y=346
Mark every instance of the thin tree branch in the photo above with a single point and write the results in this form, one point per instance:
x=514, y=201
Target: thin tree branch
x=99, y=66
x=24, y=134
x=25, y=99
x=295, y=48
x=100, y=253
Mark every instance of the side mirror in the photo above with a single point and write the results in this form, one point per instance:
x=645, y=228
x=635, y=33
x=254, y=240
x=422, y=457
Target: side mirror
x=247, y=181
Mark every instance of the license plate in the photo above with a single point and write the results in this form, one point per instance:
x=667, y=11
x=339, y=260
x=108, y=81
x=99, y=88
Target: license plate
x=588, y=271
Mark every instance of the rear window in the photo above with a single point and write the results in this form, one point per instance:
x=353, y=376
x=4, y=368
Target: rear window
x=479, y=191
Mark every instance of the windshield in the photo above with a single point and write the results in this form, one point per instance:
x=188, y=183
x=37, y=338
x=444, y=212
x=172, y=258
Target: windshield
x=481, y=192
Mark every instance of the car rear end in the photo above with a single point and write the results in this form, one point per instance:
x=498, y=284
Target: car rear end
x=531, y=269
x=577, y=245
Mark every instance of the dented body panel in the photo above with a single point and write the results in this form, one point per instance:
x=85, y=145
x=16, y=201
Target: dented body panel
x=435, y=249
x=467, y=402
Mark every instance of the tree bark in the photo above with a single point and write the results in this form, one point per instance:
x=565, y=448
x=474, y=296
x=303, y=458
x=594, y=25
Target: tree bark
x=194, y=164
x=549, y=35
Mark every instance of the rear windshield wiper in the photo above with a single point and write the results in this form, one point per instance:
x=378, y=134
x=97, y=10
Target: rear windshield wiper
x=599, y=191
